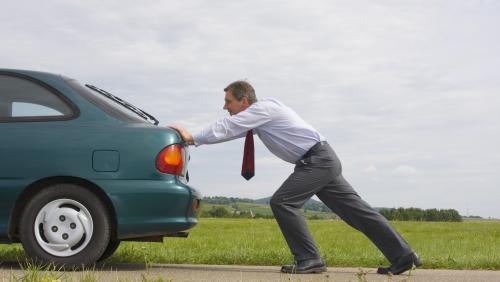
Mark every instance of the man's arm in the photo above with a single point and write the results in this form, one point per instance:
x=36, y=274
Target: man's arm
x=188, y=138
x=227, y=128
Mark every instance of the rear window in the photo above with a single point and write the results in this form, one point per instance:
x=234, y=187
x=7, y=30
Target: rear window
x=108, y=105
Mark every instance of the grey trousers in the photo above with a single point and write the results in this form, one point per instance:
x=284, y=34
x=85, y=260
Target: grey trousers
x=320, y=173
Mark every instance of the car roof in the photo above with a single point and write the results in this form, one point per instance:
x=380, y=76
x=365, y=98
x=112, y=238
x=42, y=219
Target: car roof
x=26, y=72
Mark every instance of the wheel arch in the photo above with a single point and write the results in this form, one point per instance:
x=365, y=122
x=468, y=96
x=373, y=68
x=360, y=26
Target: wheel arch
x=38, y=185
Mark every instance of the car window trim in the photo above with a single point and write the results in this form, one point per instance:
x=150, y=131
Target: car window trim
x=75, y=111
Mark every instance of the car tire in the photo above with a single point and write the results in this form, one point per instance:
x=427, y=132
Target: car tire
x=110, y=250
x=66, y=225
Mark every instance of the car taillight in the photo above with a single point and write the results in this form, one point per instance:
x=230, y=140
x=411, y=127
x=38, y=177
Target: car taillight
x=171, y=159
x=196, y=204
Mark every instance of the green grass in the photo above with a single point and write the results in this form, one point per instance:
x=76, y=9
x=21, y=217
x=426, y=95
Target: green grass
x=464, y=245
x=12, y=252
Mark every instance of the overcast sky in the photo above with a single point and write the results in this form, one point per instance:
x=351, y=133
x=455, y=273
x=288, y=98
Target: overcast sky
x=406, y=92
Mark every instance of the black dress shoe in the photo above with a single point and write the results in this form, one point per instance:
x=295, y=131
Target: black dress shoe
x=403, y=264
x=305, y=266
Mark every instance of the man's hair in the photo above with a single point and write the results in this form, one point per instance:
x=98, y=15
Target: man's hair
x=241, y=89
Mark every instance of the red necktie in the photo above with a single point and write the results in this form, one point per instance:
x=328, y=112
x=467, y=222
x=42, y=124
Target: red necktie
x=248, y=167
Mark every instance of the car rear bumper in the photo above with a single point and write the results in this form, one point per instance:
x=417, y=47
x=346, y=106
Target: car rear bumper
x=146, y=208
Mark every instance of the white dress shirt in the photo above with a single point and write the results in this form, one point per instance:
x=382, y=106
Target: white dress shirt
x=283, y=132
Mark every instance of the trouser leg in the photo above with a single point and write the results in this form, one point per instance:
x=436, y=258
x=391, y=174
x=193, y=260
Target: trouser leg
x=286, y=202
x=321, y=174
x=341, y=198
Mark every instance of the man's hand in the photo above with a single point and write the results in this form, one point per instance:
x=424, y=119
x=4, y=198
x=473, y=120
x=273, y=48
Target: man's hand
x=188, y=138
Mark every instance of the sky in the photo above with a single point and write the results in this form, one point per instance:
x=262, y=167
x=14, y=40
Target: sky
x=406, y=92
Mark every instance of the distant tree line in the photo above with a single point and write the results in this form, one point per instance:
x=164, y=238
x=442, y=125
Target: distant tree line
x=316, y=206
x=472, y=217
x=217, y=200
x=416, y=214
x=221, y=211
x=228, y=207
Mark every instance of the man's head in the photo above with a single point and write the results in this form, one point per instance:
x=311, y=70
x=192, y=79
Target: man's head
x=239, y=96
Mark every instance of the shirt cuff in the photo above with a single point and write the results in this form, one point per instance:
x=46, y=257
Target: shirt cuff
x=196, y=141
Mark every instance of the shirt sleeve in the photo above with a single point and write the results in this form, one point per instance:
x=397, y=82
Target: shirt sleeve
x=233, y=127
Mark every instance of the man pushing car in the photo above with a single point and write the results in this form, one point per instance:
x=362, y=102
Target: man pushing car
x=317, y=172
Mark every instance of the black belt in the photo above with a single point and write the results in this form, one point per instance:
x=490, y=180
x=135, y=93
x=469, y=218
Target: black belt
x=308, y=154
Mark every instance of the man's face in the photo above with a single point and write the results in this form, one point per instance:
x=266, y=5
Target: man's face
x=234, y=106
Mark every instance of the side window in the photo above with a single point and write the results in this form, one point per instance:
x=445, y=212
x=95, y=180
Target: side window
x=21, y=99
x=21, y=109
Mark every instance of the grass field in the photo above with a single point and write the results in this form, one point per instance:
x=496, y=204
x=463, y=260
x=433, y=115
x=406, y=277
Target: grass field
x=464, y=245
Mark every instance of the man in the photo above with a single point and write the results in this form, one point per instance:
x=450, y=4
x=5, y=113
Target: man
x=317, y=172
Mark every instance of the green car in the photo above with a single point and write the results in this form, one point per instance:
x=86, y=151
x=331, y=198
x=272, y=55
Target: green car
x=82, y=170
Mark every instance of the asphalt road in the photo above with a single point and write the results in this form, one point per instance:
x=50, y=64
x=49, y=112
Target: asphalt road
x=175, y=272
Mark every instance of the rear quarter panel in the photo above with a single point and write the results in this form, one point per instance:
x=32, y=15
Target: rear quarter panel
x=145, y=200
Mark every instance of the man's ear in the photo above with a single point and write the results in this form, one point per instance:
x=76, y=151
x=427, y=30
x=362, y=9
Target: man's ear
x=245, y=101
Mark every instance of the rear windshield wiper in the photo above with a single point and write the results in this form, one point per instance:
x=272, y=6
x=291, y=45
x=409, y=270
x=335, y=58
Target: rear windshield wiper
x=124, y=103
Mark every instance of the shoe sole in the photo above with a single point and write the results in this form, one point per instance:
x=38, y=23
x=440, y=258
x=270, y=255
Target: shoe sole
x=404, y=269
x=320, y=269
x=382, y=270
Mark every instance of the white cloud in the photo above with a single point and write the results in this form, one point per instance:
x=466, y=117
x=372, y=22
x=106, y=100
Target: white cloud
x=370, y=170
x=405, y=170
